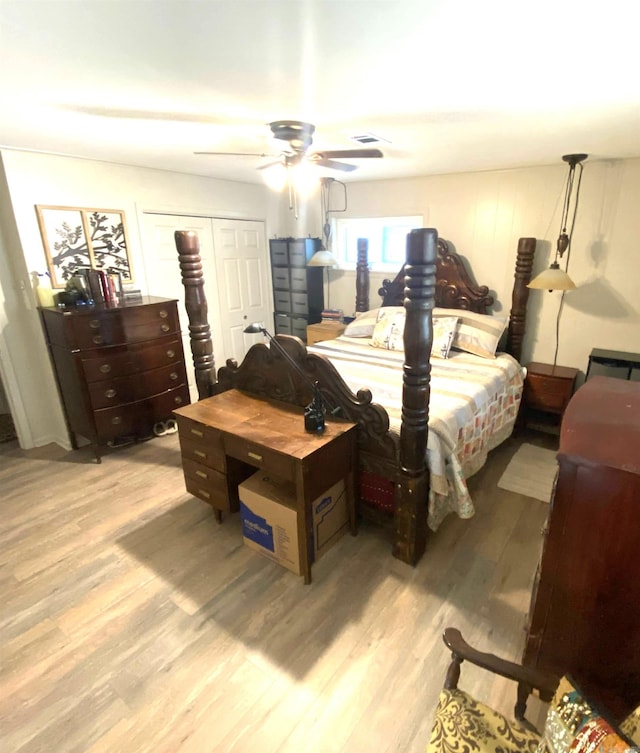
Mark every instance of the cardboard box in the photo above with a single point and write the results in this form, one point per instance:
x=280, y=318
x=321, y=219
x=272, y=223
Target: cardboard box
x=270, y=519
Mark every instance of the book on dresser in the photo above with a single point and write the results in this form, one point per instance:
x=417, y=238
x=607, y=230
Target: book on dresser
x=119, y=368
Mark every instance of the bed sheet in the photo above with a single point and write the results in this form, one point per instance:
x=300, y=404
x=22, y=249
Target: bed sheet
x=473, y=406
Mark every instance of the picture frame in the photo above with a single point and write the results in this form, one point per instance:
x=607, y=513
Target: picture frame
x=75, y=237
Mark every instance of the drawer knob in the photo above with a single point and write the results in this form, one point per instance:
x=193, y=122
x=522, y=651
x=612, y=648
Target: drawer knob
x=254, y=456
x=163, y=314
x=105, y=368
x=197, y=433
x=173, y=375
x=202, y=474
x=171, y=353
x=94, y=323
x=165, y=327
x=116, y=420
x=110, y=393
x=98, y=339
x=177, y=400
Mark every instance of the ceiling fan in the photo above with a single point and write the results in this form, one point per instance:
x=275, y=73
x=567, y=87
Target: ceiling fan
x=299, y=136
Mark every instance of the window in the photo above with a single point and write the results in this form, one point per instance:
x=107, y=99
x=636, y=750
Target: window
x=387, y=238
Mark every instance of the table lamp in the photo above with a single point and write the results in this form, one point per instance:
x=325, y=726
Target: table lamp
x=314, y=412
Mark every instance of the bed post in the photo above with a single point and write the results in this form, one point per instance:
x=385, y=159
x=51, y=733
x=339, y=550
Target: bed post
x=412, y=487
x=196, y=305
x=362, y=276
x=520, y=296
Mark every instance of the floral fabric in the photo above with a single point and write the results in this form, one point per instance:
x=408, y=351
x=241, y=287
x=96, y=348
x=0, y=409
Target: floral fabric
x=464, y=725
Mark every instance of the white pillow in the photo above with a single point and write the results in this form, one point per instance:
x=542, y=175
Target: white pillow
x=364, y=323
x=389, y=333
x=475, y=333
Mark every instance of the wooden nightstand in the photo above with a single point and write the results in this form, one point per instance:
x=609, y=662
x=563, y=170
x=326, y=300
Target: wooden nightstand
x=548, y=388
x=324, y=331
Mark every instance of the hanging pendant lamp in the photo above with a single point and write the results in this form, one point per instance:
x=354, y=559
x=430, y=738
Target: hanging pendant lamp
x=556, y=278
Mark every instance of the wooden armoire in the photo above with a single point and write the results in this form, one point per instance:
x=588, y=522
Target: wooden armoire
x=585, y=608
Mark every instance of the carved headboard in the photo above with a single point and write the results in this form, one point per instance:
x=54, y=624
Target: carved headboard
x=454, y=287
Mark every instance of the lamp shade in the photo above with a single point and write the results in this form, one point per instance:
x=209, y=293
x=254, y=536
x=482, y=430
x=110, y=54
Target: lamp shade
x=322, y=258
x=553, y=278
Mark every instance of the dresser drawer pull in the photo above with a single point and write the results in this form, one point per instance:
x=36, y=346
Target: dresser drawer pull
x=105, y=368
x=197, y=433
x=94, y=323
x=254, y=456
x=98, y=339
x=202, y=474
x=110, y=393
x=165, y=327
x=116, y=420
x=177, y=400
x=202, y=492
x=163, y=314
x=200, y=454
x=173, y=375
x=171, y=353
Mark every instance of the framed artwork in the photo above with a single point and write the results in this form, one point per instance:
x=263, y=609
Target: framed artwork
x=76, y=237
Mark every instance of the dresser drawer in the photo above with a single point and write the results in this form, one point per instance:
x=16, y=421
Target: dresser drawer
x=139, y=417
x=260, y=457
x=160, y=380
x=116, y=362
x=98, y=329
x=198, y=451
x=547, y=392
x=206, y=484
x=112, y=392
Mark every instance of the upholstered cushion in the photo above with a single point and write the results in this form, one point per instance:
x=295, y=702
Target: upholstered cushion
x=475, y=333
x=630, y=726
x=574, y=724
x=464, y=725
x=389, y=333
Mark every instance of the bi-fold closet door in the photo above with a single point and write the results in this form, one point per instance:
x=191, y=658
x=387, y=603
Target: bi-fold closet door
x=235, y=262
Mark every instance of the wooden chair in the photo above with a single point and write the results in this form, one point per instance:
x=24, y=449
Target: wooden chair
x=463, y=725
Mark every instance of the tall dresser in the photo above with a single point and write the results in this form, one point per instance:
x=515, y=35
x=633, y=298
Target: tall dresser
x=585, y=608
x=120, y=369
x=298, y=297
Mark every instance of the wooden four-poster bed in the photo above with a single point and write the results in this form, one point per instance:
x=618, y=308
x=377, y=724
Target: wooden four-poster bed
x=392, y=459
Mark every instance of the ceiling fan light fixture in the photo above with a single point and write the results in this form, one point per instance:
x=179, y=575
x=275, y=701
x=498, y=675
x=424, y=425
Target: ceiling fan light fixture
x=305, y=178
x=276, y=176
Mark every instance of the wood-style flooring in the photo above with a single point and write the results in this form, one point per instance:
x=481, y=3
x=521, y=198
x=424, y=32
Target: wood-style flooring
x=131, y=621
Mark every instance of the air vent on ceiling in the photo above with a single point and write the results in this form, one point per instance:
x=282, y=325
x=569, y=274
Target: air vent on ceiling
x=369, y=138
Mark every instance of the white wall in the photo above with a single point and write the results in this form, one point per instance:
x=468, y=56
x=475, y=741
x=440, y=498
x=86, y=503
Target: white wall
x=484, y=214
x=31, y=179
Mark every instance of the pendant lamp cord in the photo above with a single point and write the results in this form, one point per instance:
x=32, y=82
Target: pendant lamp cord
x=565, y=213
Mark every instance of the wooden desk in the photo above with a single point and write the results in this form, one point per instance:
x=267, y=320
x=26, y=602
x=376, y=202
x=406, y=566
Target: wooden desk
x=224, y=439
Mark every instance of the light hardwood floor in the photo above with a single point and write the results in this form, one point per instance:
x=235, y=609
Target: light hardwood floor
x=132, y=622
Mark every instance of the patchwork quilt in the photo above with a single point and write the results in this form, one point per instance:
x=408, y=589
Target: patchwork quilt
x=473, y=406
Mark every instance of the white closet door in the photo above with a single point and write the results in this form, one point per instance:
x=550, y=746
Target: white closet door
x=234, y=262
x=241, y=258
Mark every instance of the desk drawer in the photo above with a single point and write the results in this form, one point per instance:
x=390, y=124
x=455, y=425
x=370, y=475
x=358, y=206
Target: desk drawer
x=208, y=438
x=206, y=484
x=196, y=450
x=260, y=457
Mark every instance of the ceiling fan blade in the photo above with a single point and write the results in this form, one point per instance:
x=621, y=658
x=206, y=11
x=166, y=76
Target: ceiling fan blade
x=333, y=165
x=349, y=153
x=269, y=164
x=236, y=154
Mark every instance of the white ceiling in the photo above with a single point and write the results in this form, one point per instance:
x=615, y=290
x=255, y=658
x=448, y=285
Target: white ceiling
x=452, y=85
